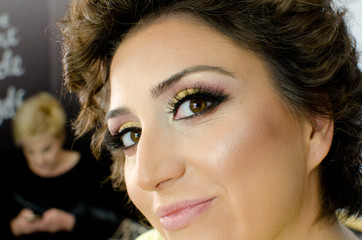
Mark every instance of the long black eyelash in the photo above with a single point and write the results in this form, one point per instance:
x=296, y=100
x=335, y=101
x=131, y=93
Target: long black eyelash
x=114, y=142
x=216, y=96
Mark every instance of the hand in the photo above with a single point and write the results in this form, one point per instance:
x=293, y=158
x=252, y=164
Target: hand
x=55, y=220
x=24, y=223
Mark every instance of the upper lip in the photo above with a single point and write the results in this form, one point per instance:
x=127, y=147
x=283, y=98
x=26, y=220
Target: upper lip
x=164, y=211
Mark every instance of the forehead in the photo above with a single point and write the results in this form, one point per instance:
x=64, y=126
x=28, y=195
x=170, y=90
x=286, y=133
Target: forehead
x=151, y=47
x=156, y=51
x=39, y=141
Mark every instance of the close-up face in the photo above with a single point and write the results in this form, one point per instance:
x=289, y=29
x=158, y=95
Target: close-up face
x=211, y=149
x=42, y=154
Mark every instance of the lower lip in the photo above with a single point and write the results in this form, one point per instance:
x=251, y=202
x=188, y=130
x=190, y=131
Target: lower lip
x=183, y=217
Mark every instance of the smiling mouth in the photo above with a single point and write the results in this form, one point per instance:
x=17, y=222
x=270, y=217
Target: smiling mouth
x=182, y=214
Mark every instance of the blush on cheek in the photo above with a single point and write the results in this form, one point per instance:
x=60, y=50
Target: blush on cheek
x=129, y=172
x=241, y=147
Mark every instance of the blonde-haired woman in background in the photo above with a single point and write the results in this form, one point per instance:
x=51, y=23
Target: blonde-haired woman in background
x=39, y=128
x=54, y=195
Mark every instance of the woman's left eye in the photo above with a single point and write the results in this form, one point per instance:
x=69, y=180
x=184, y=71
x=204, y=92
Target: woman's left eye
x=192, y=107
x=191, y=103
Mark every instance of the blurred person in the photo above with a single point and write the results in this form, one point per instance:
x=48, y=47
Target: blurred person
x=54, y=193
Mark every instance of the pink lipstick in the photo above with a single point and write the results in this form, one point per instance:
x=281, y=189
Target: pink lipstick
x=180, y=215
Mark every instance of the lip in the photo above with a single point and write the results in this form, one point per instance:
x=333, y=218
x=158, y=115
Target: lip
x=180, y=215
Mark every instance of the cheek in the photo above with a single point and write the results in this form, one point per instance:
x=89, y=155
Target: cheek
x=130, y=180
x=51, y=155
x=54, y=151
x=256, y=157
x=257, y=141
x=253, y=159
x=29, y=158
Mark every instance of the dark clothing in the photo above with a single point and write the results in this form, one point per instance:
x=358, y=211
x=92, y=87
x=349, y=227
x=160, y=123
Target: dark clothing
x=76, y=191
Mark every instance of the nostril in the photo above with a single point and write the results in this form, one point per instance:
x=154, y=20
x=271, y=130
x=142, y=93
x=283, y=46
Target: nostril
x=164, y=182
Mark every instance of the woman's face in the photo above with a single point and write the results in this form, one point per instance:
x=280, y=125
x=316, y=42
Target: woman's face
x=211, y=150
x=42, y=154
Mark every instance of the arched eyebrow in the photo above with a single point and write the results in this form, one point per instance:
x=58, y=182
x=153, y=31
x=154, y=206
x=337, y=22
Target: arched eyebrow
x=162, y=87
x=168, y=83
x=117, y=112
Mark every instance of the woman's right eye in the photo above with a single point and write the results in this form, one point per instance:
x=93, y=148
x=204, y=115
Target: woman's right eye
x=129, y=137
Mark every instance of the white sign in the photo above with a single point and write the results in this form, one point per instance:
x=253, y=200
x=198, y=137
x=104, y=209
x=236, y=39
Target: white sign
x=12, y=101
x=11, y=65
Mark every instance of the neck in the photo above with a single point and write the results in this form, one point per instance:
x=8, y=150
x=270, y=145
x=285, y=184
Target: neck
x=307, y=224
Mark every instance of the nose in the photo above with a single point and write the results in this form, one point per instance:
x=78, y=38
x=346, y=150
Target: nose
x=158, y=161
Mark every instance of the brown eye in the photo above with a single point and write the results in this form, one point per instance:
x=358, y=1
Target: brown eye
x=135, y=136
x=198, y=105
x=192, y=107
x=130, y=137
x=194, y=102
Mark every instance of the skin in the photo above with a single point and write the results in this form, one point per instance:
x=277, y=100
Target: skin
x=52, y=221
x=46, y=158
x=251, y=154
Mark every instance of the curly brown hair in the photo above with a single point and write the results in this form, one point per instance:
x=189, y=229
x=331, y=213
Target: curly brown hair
x=306, y=44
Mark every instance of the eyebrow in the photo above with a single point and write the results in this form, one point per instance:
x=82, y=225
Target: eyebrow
x=162, y=87
x=117, y=112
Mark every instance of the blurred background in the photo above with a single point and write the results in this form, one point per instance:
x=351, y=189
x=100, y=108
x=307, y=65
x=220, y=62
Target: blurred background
x=30, y=62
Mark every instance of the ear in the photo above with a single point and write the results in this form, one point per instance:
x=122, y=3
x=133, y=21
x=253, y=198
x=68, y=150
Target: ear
x=320, y=141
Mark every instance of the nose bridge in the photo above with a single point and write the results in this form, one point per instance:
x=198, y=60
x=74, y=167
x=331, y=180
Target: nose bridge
x=157, y=159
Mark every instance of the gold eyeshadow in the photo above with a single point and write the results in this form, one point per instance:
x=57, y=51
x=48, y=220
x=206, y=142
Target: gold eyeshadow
x=213, y=97
x=184, y=93
x=129, y=125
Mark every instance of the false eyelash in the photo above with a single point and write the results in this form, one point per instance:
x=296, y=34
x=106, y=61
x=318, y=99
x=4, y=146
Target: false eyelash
x=215, y=96
x=114, y=142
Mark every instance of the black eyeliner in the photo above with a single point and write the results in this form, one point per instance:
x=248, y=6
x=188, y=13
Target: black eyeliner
x=214, y=96
x=114, y=142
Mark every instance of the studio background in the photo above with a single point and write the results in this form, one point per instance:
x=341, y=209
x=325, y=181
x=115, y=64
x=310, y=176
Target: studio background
x=30, y=62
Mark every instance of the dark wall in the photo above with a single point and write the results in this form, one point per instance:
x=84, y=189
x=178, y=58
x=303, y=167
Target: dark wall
x=30, y=61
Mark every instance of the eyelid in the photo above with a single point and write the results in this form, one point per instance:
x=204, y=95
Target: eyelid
x=129, y=125
x=184, y=93
x=206, y=93
x=213, y=95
